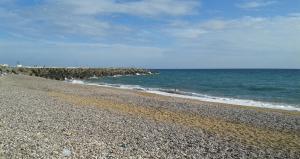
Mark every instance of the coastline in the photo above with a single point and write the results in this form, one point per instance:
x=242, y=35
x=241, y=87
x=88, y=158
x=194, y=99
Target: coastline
x=195, y=96
x=136, y=123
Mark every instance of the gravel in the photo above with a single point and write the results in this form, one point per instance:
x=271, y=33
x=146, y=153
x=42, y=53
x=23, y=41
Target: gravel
x=34, y=124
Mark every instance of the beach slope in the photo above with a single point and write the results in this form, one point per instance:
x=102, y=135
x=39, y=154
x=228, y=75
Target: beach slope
x=42, y=118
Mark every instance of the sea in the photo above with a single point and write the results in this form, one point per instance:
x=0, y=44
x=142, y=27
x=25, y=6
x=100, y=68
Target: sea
x=269, y=88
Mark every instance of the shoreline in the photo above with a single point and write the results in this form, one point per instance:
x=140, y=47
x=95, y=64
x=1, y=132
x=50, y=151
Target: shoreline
x=42, y=117
x=213, y=99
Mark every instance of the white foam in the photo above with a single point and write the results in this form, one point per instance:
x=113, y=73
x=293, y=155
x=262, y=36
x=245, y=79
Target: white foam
x=94, y=77
x=229, y=101
x=128, y=87
x=117, y=75
x=195, y=96
x=77, y=82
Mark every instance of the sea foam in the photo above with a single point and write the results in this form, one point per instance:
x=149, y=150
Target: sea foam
x=77, y=82
x=233, y=101
x=194, y=96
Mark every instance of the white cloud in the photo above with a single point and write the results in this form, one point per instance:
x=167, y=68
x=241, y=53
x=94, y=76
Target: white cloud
x=50, y=23
x=294, y=14
x=64, y=19
x=196, y=30
x=249, y=42
x=136, y=8
x=273, y=31
x=187, y=32
x=171, y=40
x=78, y=54
x=255, y=4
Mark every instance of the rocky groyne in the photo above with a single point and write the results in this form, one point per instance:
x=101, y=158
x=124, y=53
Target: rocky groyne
x=73, y=73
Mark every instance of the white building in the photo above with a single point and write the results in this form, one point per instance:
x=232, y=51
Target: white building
x=19, y=66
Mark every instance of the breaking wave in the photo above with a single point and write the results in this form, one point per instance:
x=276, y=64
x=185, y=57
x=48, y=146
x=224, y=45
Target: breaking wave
x=195, y=96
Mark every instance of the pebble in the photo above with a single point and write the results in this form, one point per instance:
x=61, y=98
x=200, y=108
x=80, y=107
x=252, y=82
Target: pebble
x=46, y=127
x=66, y=152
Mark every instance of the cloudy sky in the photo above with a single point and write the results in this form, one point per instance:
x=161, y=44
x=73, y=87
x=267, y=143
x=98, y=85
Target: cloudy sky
x=151, y=33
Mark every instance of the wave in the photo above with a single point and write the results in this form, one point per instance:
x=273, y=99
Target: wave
x=76, y=82
x=233, y=101
x=119, y=75
x=195, y=96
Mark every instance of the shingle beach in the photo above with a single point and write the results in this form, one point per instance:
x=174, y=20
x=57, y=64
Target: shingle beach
x=42, y=118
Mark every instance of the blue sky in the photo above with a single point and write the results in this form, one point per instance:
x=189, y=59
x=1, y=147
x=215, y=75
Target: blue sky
x=151, y=33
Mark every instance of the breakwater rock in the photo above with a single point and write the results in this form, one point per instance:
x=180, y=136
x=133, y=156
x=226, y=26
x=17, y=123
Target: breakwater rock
x=76, y=73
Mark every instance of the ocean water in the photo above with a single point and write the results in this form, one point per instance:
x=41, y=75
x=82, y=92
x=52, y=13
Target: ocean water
x=275, y=88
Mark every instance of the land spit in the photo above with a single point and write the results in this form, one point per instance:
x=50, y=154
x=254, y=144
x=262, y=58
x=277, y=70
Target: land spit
x=42, y=118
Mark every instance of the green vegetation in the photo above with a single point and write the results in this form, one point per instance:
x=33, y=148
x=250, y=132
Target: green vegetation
x=76, y=73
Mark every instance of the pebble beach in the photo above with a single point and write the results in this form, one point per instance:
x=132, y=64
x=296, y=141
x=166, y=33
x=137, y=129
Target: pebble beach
x=42, y=118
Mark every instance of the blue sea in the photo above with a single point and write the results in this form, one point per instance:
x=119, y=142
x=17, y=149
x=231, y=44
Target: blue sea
x=273, y=88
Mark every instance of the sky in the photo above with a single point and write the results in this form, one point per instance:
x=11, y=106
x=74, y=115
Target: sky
x=151, y=33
